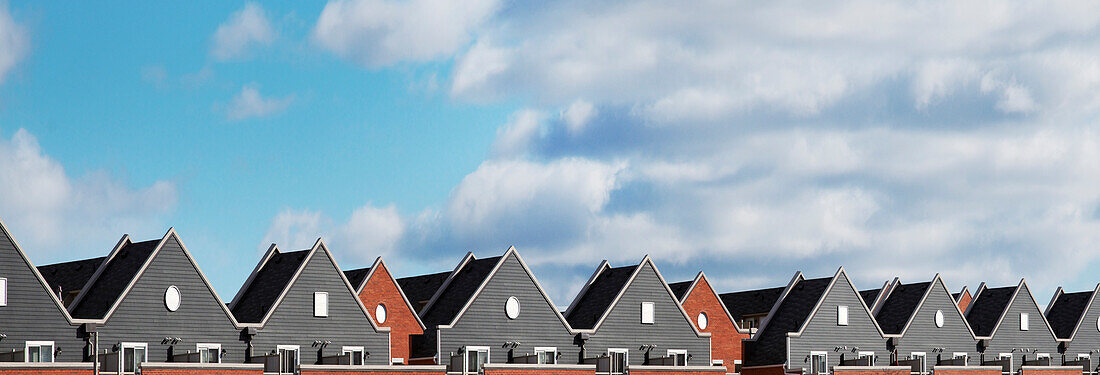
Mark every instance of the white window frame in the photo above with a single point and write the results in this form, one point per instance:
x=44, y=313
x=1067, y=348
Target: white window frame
x=397, y=361
x=217, y=348
x=674, y=352
x=547, y=349
x=351, y=350
x=923, y=361
x=1039, y=356
x=868, y=354
x=27, y=349
x=1025, y=321
x=825, y=359
x=297, y=357
x=3, y=291
x=842, y=315
x=476, y=349
x=122, y=355
x=320, y=310
x=965, y=356
x=652, y=313
x=1010, y=360
x=611, y=362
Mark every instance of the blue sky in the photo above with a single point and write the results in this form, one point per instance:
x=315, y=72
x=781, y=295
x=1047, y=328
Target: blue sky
x=746, y=140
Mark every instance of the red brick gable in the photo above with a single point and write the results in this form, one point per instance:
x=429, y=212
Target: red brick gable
x=964, y=300
x=381, y=288
x=725, y=340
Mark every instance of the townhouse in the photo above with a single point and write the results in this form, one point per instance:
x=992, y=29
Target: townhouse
x=749, y=308
x=699, y=299
x=1075, y=319
x=297, y=308
x=817, y=324
x=379, y=291
x=628, y=316
x=1010, y=327
x=924, y=327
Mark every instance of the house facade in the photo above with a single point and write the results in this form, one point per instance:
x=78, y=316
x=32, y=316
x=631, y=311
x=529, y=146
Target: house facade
x=699, y=299
x=924, y=326
x=379, y=292
x=1075, y=319
x=1010, y=327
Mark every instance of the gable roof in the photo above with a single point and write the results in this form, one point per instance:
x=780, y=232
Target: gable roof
x=70, y=276
x=960, y=294
x=680, y=289
x=1066, y=311
x=420, y=289
x=751, y=302
x=800, y=299
x=690, y=288
x=900, y=305
x=987, y=308
x=869, y=296
x=112, y=278
x=34, y=270
x=598, y=295
x=370, y=272
x=357, y=277
x=458, y=290
x=258, y=295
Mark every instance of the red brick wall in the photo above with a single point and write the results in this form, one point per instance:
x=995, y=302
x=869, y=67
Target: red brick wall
x=725, y=341
x=510, y=371
x=40, y=371
x=1051, y=371
x=773, y=370
x=184, y=371
x=937, y=371
x=401, y=320
x=964, y=301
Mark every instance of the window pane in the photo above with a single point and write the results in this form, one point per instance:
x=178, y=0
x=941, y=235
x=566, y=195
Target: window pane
x=32, y=354
x=45, y=353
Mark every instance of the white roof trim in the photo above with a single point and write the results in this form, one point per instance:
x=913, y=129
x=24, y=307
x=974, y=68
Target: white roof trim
x=821, y=301
x=1004, y=313
x=775, y=306
x=599, y=269
x=700, y=277
x=38, y=275
x=122, y=242
x=351, y=290
x=1084, y=312
x=435, y=296
x=928, y=292
x=271, y=250
x=380, y=263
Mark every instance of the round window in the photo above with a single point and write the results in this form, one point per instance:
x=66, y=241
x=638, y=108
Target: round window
x=1098, y=323
x=702, y=320
x=511, y=308
x=172, y=298
x=380, y=313
x=939, y=318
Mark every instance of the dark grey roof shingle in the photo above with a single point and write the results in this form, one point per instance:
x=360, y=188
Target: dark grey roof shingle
x=900, y=306
x=356, y=277
x=1067, y=312
x=680, y=289
x=117, y=274
x=869, y=296
x=70, y=276
x=987, y=309
x=269, y=282
x=595, y=300
x=451, y=300
x=751, y=302
x=770, y=346
x=420, y=289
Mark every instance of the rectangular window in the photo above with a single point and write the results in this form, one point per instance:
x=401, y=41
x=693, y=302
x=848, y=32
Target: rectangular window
x=1024, y=321
x=3, y=291
x=679, y=357
x=1006, y=356
x=842, y=315
x=1086, y=369
x=869, y=355
x=1041, y=356
x=647, y=312
x=476, y=356
x=133, y=354
x=965, y=357
x=819, y=363
x=38, y=351
x=289, y=357
x=922, y=362
x=619, y=360
x=320, y=304
x=547, y=356
x=356, y=353
x=210, y=353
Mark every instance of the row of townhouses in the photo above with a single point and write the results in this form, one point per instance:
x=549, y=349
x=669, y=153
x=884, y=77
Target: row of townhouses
x=147, y=308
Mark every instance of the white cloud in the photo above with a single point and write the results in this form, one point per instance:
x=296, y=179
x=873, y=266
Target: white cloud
x=51, y=212
x=371, y=232
x=577, y=115
x=243, y=30
x=250, y=104
x=293, y=230
x=514, y=138
x=14, y=42
x=385, y=32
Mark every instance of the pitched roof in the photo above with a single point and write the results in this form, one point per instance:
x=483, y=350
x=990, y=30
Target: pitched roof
x=900, y=306
x=769, y=345
x=421, y=288
x=680, y=288
x=597, y=298
x=458, y=291
x=986, y=310
x=1067, y=311
x=269, y=282
x=357, y=276
x=869, y=296
x=70, y=276
x=751, y=302
x=116, y=274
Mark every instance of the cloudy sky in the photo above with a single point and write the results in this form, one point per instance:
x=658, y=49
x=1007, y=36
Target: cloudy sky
x=746, y=139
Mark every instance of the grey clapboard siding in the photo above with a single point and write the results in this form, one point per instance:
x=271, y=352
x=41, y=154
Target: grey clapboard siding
x=293, y=323
x=1086, y=339
x=671, y=330
x=31, y=314
x=821, y=332
x=923, y=335
x=143, y=318
x=485, y=323
x=1008, y=335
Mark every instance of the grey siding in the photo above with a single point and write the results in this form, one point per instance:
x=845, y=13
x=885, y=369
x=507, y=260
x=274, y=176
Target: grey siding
x=821, y=332
x=1009, y=336
x=485, y=324
x=143, y=318
x=671, y=330
x=1086, y=340
x=293, y=323
x=31, y=315
x=923, y=335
